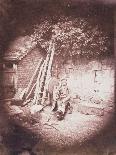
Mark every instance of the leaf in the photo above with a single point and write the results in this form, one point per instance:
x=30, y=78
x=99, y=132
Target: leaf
x=76, y=36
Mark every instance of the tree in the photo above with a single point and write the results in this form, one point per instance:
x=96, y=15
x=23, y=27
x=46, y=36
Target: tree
x=72, y=37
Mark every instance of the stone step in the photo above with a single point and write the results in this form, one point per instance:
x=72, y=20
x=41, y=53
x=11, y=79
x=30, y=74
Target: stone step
x=90, y=109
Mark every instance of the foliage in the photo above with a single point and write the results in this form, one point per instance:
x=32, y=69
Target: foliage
x=72, y=37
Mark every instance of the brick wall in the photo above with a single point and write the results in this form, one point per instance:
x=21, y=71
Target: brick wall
x=27, y=66
x=87, y=79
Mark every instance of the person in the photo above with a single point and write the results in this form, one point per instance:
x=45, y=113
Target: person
x=62, y=99
x=55, y=97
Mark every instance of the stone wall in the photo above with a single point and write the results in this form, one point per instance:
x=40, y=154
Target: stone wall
x=90, y=79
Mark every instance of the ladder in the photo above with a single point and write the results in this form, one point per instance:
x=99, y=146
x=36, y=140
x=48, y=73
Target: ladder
x=43, y=76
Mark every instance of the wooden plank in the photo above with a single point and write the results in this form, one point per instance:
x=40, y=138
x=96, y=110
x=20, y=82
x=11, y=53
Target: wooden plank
x=28, y=95
x=32, y=78
x=41, y=76
x=37, y=84
x=48, y=74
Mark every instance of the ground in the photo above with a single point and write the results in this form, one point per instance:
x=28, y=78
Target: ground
x=75, y=128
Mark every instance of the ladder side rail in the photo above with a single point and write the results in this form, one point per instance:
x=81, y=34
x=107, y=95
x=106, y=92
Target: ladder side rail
x=36, y=92
x=41, y=81
x=30, y=92
x=42, y=78
x=32, y=78
x=46, y=65
x=48, y=74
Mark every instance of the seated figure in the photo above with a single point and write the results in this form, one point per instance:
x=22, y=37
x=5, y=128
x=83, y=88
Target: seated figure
x=61, y=99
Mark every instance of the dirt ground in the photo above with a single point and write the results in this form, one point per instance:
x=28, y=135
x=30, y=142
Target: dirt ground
x=75, y=128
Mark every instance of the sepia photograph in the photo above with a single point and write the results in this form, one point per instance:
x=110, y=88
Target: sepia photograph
x=57, y=77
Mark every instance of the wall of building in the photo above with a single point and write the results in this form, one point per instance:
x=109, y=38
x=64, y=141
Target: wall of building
x=90, y=79
x=27, y=66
